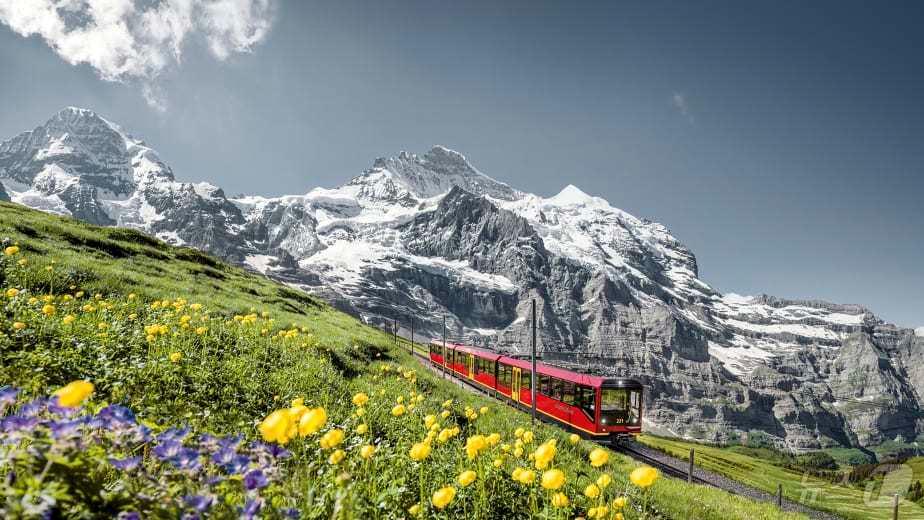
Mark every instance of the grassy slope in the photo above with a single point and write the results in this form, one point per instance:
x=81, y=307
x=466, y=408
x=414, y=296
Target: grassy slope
x=232, y=376
x=846, y=501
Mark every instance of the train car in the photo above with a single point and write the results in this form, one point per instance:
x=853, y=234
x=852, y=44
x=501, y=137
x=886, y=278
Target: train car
x=593, y=406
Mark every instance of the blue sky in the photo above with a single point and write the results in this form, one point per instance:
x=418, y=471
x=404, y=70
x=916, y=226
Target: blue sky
x=781, y=142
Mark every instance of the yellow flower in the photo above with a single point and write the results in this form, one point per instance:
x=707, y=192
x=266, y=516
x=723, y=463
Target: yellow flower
x=12, y=292
x=493, y=439
x=498, y=462
x=620, y=502
x=443, y=496
x=483, y=410
x=360, y=412
x=48, y=310
x=518, y=452
x=67, y=320
x=361, y=428
x=332, y=439
x=275, y=427
x=360, y=399
x=598, y=457
x=22, y=262
x=518, y=432
x=553, y=479
x=560, y=500
x=574, y=438
x=367, y=451
x=474, y=445
x=544, y=454
x=201, y=330
x=400, y=399
x=604, y=480
x=312, y=421
x=466, y=477
x=398, y=410
x=420, y=451
x=175, y=357
x=11, y=250
x=132, y=296
x=74, y=393
x=414, y=510
x=447, y=403
x=429, y=420
x=591, y=491
x=527, y=437
x=336, y=457
x=527, y=476
x=597, y=512
x=643, y=476
x=19, y=325
x=444, y=414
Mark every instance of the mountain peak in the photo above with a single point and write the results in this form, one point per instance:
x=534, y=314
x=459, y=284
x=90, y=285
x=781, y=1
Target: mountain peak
x=571, y=195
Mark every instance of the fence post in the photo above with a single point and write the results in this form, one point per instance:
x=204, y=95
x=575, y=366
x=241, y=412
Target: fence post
x=779, y=496
x=690, y=468
x=895, y=507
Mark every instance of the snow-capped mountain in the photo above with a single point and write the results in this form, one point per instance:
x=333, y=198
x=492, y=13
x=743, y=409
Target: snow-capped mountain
x=430, y=236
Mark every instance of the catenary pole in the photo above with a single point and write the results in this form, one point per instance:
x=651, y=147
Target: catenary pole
x=532, y=374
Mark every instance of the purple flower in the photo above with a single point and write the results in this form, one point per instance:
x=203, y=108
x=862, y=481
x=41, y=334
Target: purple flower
x=255, y=479
x=18, y=423
x=173, y=434
x=200, y=503
x=187, y=458
x=126, y=464
x=8, y=396
x=251, y=508
x=230, y=461
x=34, y=407
x=115, y=415
x=167, y=450
x=291, y=513
x=129, y=515
x=63, y=429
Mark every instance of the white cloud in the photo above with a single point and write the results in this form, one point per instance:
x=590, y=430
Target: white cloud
x=127, y=40
x=919, y=331
x=679, y=102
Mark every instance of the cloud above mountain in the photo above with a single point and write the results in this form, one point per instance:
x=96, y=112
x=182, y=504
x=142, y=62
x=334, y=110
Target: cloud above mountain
x=137, y=40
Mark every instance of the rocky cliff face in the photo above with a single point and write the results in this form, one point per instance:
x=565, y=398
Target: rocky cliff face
x=430, y=236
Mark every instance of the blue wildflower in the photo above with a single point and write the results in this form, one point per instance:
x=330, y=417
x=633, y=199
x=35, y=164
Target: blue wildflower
x=255, y=479
x=251, y=508
x=200, y=503
x=8, y=396
x=126, y=464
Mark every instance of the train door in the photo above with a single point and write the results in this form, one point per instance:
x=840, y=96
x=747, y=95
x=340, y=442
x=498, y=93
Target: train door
x=471, y=364
x=515, y=385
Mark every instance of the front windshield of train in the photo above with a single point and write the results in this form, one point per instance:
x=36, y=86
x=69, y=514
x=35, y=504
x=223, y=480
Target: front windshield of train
x=620, y=406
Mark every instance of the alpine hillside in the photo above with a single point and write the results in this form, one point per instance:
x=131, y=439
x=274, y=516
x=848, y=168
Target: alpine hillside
x=429, y=235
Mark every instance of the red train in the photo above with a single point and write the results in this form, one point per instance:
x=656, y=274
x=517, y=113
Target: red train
x=592, y=406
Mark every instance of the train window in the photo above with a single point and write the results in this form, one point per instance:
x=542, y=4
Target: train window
x=506, y=375
x=568, y=392
x=586, y=398
x=526, y=380
x=635, y=407
x=545, y=385
x=614, y=400
x=556, y=389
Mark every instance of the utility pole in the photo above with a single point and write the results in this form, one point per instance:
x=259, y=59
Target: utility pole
x=532, y=374
x=444, y=346
x=396, y=332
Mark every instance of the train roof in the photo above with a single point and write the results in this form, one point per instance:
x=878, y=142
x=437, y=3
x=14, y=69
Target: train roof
x=525, y=364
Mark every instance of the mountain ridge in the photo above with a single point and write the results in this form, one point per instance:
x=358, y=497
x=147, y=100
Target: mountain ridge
x=430, y=235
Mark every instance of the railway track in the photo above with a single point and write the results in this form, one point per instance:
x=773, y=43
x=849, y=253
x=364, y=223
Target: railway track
x=668, y=465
